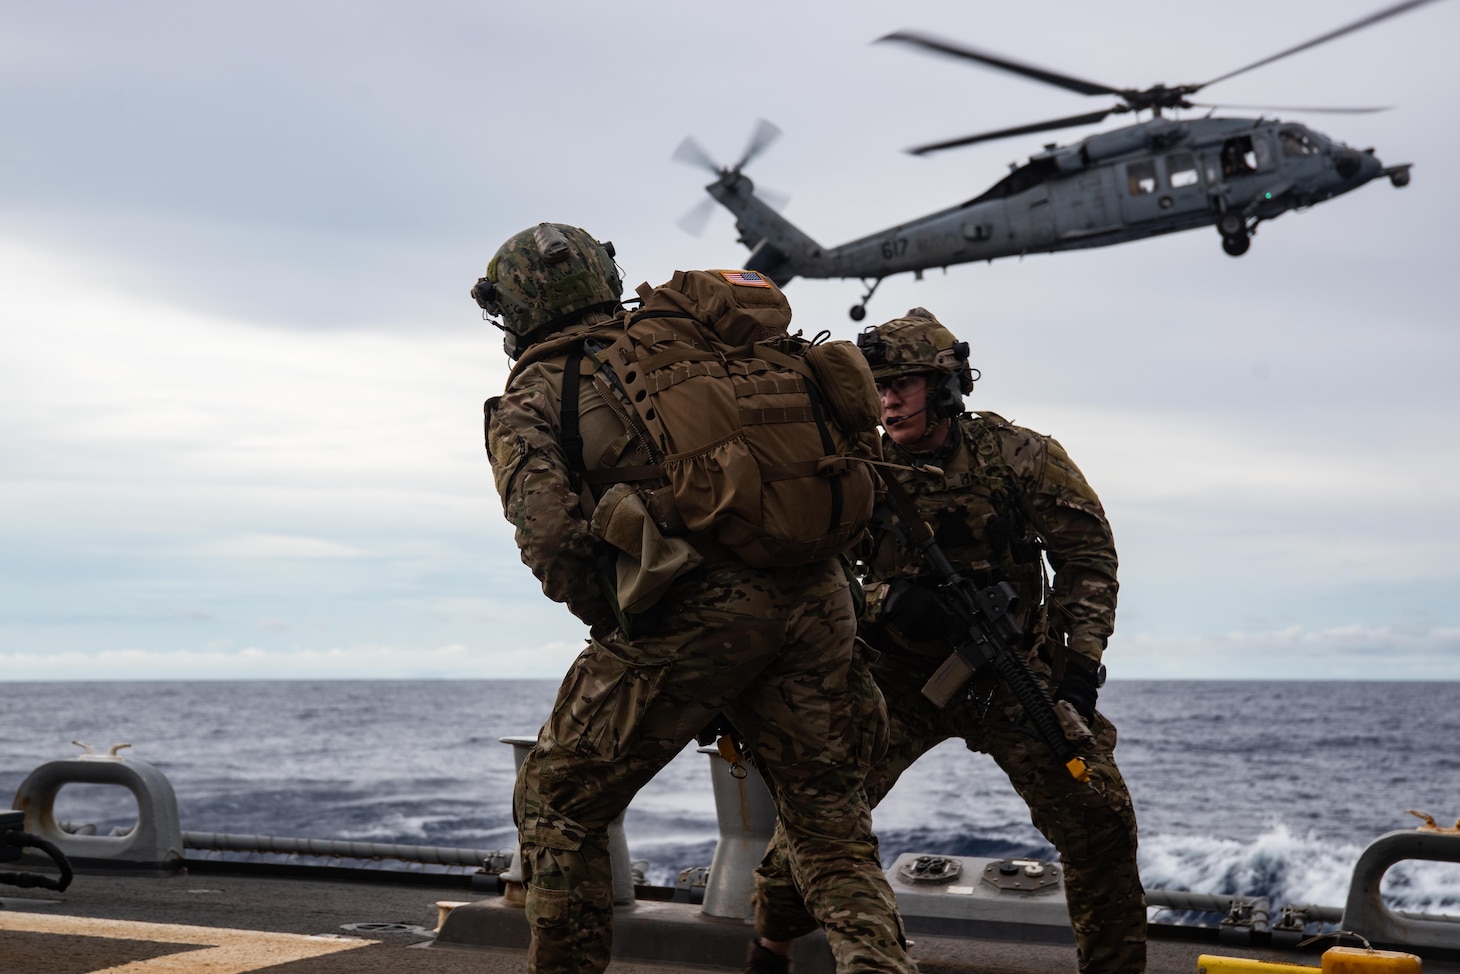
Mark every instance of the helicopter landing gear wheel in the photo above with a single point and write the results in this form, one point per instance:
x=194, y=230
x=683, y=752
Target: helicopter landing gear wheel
x=1231, y=224
x=1236, y=246
x=859, y=311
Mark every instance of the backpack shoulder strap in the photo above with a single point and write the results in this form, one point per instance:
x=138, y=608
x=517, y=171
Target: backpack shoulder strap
x=585, y=360
x=572, y=436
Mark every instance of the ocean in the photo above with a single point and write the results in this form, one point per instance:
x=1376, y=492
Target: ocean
x=1261, y=788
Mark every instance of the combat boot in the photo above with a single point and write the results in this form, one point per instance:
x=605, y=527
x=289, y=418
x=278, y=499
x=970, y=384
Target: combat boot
x=762, y=960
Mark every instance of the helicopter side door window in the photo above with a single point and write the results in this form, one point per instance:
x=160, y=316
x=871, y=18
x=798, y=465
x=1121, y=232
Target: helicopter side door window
x=1262, y=150
x=1238, y=156
x=1181, y=170
x=1141, y=177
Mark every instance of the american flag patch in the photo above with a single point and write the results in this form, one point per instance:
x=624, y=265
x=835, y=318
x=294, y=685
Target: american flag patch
x=745, y=278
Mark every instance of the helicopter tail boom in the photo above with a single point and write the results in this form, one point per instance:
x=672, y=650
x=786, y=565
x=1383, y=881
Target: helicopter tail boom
x=778, y=248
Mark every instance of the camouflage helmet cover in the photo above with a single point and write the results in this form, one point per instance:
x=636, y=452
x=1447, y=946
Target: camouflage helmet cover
x=916, y=343
x=545, y=274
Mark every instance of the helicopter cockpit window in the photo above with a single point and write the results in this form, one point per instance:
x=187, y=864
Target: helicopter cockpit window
x=1181, y=170
x=1297, y=143
x=1141, y=177
x=1238, y=156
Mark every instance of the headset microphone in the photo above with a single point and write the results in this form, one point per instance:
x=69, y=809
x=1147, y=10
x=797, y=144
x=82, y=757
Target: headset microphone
x=899, y=420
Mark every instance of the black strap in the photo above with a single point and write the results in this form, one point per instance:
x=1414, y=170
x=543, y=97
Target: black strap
x=828, y=448
x=624, y=475
x=572, y=435
x=21, y=840
x=638, y=316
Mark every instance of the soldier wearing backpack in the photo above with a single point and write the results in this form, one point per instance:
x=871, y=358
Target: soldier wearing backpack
x=1001, y=500
x=685, y=619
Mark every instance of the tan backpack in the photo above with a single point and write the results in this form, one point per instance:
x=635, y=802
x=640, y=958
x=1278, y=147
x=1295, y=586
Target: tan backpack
x=759, y=433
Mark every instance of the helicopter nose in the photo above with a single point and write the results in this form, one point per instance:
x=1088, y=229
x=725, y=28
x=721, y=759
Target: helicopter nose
x=1349, y=163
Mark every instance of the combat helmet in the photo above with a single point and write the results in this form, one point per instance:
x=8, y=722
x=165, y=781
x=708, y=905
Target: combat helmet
x=541, y=277
x=918, y=344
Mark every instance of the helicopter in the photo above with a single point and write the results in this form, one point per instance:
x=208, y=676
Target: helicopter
x=1155, y=177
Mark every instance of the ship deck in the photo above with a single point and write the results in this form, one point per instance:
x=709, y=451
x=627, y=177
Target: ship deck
x=222, y=923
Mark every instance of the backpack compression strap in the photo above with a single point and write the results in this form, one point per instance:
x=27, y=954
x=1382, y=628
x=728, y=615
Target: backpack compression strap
x=572, y=434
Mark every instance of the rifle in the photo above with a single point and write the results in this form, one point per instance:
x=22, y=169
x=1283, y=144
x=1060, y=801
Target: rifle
x=991, y=635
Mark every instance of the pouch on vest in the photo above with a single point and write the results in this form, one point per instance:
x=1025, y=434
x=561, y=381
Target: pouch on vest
x=647, y=561
x=846, y=380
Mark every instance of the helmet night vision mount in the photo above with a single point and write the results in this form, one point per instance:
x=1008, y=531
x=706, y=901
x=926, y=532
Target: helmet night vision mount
x=918, y=344
x=541, y=277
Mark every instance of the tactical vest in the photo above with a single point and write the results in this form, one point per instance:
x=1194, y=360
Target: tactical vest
x=980, y=518
x=759, y=435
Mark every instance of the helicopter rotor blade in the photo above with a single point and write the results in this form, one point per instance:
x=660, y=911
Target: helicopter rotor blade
x=692, y=153
x=1292, y=108
x=765, y=133
x=695, y=219
x=940, y=46
x=1058, y=123
x=1373, y=18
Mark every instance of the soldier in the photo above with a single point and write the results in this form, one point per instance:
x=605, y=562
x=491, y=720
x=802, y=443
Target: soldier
x=771, y=649
x=1000, y=499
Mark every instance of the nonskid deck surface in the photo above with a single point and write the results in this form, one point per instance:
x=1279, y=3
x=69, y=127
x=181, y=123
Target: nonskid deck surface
x=226, y=924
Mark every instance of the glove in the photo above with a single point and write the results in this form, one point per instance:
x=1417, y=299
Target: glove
x=1081, y=685
x=713, y=731
x=916, y=612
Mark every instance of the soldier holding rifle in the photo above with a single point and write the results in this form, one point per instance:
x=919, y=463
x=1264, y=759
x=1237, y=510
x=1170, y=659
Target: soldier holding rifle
x=1001, y=502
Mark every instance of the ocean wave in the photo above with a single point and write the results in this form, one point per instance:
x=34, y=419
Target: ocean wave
x=1288, y=867
x=1212, y=768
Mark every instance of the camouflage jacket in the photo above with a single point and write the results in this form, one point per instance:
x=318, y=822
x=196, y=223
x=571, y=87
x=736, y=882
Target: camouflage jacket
x=1008, y=495
x=540, y=493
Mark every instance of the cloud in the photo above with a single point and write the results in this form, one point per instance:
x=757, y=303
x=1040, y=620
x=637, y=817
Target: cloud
x=1351, y=652
x=242, y=378
x=454, y=662
x=1355, y=652
x=278, y=546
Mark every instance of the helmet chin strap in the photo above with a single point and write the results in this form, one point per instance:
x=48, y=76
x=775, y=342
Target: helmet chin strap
x=930, y=426
x=933, y=420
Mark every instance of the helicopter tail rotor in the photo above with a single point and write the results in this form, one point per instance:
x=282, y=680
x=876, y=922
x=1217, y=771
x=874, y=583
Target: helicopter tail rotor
x=765, y=133
x=696, y=218
x=691, y=153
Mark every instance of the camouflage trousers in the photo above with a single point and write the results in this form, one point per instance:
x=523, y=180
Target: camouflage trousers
x=1092, y=825
x=771, y=649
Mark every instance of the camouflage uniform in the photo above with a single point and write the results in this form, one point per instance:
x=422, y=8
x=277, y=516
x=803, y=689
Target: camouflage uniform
x=1006, y=492
x=771, y=649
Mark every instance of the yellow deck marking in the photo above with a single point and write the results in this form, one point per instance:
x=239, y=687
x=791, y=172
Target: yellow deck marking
x=221, y=951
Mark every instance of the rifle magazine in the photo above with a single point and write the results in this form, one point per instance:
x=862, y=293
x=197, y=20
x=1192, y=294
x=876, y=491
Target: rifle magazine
x=950, y=678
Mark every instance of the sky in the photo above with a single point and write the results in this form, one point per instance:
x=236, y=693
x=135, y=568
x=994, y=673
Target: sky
x=240, y=394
